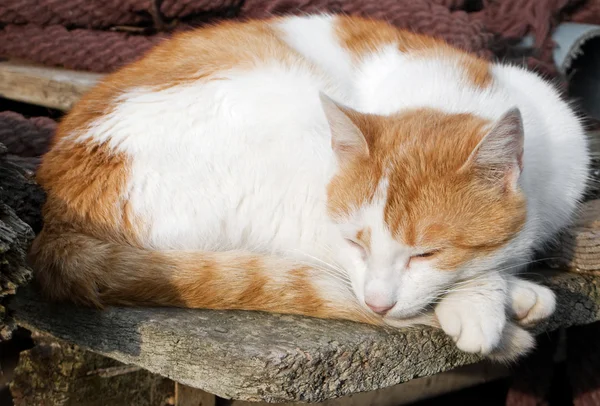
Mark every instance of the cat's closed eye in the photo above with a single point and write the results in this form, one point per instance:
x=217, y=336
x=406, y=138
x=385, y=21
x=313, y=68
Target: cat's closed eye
x=358, y=246
x=424, y=256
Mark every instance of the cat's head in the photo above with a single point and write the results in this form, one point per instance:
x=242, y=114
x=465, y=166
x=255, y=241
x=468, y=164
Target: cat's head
x=422, y=198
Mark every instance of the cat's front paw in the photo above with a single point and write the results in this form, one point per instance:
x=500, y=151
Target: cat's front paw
x=474, y=327
x=530, y=302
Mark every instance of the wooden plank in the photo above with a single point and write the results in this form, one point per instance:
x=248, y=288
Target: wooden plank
x=413, y=391
x=277, y=358
x=578, y=248
x=45, y=86
x=397, y=395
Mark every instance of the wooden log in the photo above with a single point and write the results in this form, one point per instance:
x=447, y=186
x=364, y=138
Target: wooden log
x=45, y=86
x=578, y=249
x=276, y=358
x=413, y=391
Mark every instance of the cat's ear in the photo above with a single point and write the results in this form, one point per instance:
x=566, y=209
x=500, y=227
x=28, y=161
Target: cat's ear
x=347, y=140
x=500, y=153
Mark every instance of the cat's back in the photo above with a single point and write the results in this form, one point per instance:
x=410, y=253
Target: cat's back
x=207, y=123
x=341, y=46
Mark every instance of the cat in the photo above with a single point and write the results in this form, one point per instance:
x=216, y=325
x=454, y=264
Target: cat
x=322, y=165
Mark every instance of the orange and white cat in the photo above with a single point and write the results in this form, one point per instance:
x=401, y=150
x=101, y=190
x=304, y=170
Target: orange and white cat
x=326, y=166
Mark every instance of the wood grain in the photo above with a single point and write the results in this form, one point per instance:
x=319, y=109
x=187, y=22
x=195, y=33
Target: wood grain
x=578, y=248
x=50, y=87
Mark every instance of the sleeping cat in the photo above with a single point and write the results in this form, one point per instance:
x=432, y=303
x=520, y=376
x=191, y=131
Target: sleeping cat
x=326, y=166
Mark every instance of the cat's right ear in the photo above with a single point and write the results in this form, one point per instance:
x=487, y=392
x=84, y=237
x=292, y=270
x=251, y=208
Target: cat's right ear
x=500, y=153
x=347, y=141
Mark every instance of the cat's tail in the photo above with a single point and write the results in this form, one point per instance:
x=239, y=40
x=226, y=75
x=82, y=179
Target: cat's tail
x=70, y=266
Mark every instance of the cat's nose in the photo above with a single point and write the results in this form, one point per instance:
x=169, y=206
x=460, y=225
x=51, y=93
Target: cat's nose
x=381, y=309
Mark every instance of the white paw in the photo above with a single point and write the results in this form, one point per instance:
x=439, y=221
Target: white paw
x=476, y=327
x=530, y=302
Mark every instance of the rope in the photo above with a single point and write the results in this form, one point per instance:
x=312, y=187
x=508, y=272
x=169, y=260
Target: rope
x=25, y=137
x=81, y=13
x=46, y=31
x=80, y=49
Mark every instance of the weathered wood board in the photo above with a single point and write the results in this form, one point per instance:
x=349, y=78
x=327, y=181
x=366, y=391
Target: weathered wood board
x=276, y=358
x=579, y=247
x=45, y=86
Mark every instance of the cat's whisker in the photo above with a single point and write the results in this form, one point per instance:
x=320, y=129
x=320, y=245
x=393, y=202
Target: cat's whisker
x=498, y=272
x=327, y=264
x=335, y=276
x=330, y=250
x=527, y=263
x=331, y=271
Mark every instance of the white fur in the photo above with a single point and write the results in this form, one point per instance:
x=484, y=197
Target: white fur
x=243, y=163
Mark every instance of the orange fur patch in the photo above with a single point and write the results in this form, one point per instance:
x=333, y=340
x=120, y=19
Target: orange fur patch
x=85, y=184
x=478, y=70
x=364, y=237
x=243, y=283
x=361, y=36
x=219, y=281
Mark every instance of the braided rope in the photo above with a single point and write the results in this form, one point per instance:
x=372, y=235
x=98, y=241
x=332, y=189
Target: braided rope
x=46, y=41
x=425, y=17
x=81, y=13
x=80, y=49
x=589, y=14
x=25, y=137
x=184, y=8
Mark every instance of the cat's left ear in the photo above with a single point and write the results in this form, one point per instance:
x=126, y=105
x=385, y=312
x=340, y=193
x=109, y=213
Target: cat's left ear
x=347, y=140
x=500, y=153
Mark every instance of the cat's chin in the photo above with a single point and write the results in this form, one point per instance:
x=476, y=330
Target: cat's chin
x=400, y=314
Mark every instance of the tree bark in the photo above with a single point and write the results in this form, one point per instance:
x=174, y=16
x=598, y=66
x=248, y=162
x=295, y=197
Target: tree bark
x=20, y=216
